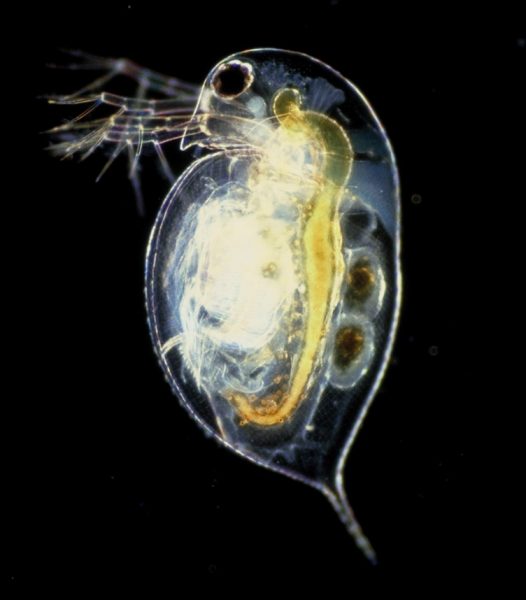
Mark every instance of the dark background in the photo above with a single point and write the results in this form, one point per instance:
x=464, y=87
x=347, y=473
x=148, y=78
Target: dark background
x=108, y=482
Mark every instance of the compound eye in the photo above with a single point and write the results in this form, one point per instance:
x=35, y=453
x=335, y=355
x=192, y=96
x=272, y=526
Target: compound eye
x=232, y=79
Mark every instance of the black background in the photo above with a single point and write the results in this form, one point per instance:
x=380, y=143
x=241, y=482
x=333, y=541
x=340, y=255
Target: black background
x=109, y=484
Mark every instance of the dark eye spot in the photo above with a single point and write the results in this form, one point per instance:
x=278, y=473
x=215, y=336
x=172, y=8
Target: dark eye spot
x=232, y=79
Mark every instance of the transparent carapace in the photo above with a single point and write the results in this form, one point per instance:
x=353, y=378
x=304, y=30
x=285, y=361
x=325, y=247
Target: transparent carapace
x=272, y=271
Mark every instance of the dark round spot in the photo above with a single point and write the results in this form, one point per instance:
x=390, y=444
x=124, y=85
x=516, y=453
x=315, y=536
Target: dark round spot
x=361, y=280
x=348, y=346
x=232, y=79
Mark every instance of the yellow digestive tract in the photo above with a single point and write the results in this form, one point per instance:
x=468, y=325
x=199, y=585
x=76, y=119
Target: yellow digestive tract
x=322, y=258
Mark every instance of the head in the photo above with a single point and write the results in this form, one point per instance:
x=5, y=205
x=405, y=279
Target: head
x=236, y=107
